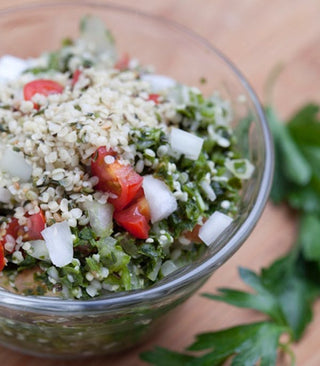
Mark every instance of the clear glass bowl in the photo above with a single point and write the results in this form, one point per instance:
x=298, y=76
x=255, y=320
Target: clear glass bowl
x=68, y=328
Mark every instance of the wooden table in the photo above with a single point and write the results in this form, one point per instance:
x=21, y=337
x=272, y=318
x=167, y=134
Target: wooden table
x=256, y=35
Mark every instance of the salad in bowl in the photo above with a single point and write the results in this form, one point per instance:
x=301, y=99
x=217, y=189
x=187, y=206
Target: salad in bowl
x=130, y=172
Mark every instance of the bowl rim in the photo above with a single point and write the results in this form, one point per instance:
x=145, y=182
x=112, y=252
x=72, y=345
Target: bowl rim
x=122, y=300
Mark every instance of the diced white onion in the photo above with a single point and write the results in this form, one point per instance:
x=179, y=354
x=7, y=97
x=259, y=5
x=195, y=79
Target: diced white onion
x=59, y=241
x=208, y=190
x=158, y=83
x=15, y=164
x=11, y=67
x=213, y=227
x=246, y=168
x=185, y=143
x=168, y=267
x=154, y=273
x=100, y=217
x=38, y=249
x=161, y=201
x=96, y=37
x=5, y=195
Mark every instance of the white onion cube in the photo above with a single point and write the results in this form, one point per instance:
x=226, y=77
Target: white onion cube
x=38, y=249
x=185, y=143
x=158, y=83
x=15, y=164
x=11, y=67
x=59, y=241
x=100, y=217
x=213, y=227
x=208, y=190
x=161, y=201
x=5, y=195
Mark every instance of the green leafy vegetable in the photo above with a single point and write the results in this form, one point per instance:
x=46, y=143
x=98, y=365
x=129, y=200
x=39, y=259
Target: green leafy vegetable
x=246, y=344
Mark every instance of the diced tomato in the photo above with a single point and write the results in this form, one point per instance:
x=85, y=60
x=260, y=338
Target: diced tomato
x=12, y=229
x=143, y=207
x=35, y=224
x=75, y=77
x=41, y=86
x=123, y=62
x=115, y=178
x=194, y=235
x=2, y=261
x=32, y=231
x=154, y=97
x=135, y=218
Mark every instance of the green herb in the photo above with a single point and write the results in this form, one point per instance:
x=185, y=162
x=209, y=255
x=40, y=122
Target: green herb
x=67, y=42
x=248, y=344
x=287, y=289
x=28, y=262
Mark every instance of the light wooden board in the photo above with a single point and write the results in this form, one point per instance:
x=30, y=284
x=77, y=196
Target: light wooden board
x=256, y=35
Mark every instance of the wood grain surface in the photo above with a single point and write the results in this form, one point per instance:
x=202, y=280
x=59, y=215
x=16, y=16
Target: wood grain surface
x=256, y=35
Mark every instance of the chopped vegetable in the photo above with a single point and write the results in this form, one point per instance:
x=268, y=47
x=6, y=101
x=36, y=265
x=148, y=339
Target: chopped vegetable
x=120, y=180
x=43, y=87
x=100, y=216
x=216, y=224
x=159, y=83
x=185, y=143
x=11, y=67
x=38, y=249
x=35, y=225
x=135, y=218
x=59, y=242
x=161, y=201
x=154, y=98
x=15, y=164
x=75, y=77
x=241, y=168
x=5, y=195
x=10, y=235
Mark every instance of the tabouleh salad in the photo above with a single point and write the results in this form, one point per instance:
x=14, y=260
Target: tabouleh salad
x=112, y=176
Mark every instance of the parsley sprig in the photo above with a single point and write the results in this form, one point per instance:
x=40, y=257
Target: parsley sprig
x=286, y=290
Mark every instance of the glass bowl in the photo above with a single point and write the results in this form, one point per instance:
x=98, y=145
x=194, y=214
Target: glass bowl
x=69, y=328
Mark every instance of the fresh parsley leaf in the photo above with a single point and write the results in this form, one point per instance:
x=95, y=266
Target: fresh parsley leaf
x=290, y=162
x=304, y=126
x=295, y=287
x=309, y=235
x=263, y=300
x=247, y=344
x=164, y=357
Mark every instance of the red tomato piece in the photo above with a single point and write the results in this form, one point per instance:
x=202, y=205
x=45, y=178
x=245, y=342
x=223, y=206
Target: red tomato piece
x=135, y=219
x=41, y=86
x=154, y=97
x=2, y=261
x=143, y=206
x=75, y=77
x=32, y=231
x=12, y=229
x=123, y=62
x=120, y=180
x=35, y=224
